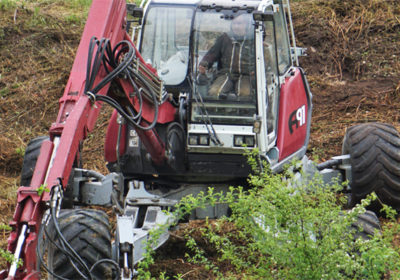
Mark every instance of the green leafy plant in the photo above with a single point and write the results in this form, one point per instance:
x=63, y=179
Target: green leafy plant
x=5, y=227
x=293, y=229
x=285, y=228
x=198, y=254
x=143, y=266
x=9, y=257
x=4, y=92
x=42, y=189
x=20, y=151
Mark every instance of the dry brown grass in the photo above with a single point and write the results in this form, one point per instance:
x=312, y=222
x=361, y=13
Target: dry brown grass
x=352, y=65
x=35, y=60
x=35, y=64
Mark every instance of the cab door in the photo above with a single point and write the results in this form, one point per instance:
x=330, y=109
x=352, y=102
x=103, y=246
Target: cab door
x=294, y=115
x=294, y=97
x=287, y=101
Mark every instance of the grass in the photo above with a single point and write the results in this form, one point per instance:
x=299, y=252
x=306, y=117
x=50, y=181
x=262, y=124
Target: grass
x=7, y=4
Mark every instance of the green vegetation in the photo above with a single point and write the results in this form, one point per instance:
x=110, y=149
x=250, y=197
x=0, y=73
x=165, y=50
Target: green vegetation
x=20, y=151
x=7, y=256
x=42, y=189
x=5, y=227
x=79, y=4
x=7, y=4
x=72, y=11
x=285, y=229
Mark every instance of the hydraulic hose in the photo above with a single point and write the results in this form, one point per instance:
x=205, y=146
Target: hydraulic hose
x=119, y=59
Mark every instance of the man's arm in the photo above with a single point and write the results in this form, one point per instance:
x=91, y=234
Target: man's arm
x=212, y=55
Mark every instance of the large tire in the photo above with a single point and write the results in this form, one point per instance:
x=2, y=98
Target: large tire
x=366, y=226
x=374, y=150
x=32, y=152
x=88, y=232
x=31, y=155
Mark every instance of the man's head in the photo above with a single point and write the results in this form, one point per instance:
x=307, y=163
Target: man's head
x=241, y=25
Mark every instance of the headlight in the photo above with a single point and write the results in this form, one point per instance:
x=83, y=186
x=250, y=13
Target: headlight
x=204, y=140
x=247, y=140
x=238, y=140
x=193, y=139
x=199, y=139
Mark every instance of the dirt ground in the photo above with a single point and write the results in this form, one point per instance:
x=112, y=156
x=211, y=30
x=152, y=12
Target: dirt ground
x=352, y=63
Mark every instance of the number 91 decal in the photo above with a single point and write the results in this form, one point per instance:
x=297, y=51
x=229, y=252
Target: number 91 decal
x=297, y=118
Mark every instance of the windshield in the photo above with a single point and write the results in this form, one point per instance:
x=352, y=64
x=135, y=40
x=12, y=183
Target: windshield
x=165, y=42
x=224, y=68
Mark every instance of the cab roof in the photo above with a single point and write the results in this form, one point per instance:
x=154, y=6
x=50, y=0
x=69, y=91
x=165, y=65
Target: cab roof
x=212, y=4
x=175, y=2
x=241, y=4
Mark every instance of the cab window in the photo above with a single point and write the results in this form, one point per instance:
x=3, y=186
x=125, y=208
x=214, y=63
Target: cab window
x=165, y=42
x=271, y=76
x=282, y=41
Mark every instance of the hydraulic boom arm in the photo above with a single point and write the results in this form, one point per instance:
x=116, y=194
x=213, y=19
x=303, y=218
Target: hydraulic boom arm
x=77, y=116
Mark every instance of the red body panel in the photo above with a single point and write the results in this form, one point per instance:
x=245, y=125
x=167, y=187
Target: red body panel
x=293, y=115
x=110, y=145
x=166, y=112
x=154, y=145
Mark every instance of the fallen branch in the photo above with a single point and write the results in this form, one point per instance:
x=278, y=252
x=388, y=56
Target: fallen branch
x=15, y=15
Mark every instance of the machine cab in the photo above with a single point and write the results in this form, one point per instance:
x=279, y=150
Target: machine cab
x=232, y=63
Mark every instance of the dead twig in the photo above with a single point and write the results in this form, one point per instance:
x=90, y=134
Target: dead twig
x=359, y=104
x=190, y=271
x=177, y=236
x=361, y=25
x=15, y=15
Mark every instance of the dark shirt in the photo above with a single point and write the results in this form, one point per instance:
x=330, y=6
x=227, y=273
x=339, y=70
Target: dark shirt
x=233, y=55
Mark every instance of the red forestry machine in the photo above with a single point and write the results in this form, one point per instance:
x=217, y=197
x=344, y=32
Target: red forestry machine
x=182, y=120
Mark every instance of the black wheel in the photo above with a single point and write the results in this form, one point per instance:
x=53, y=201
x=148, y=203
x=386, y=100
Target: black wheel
x=366, y=225
x=31, y=155
x=88, y=232
x=374, y=150
x=30, y=158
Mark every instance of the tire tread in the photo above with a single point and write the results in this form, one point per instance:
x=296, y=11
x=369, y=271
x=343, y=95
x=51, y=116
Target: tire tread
x=374, y=150
x=88, y=232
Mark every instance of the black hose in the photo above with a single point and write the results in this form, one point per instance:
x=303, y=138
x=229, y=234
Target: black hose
x=112, y=57
x=67, y=246
x=114, y=263
x=91, y=173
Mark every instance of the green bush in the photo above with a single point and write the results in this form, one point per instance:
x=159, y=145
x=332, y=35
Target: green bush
x=292, y=230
